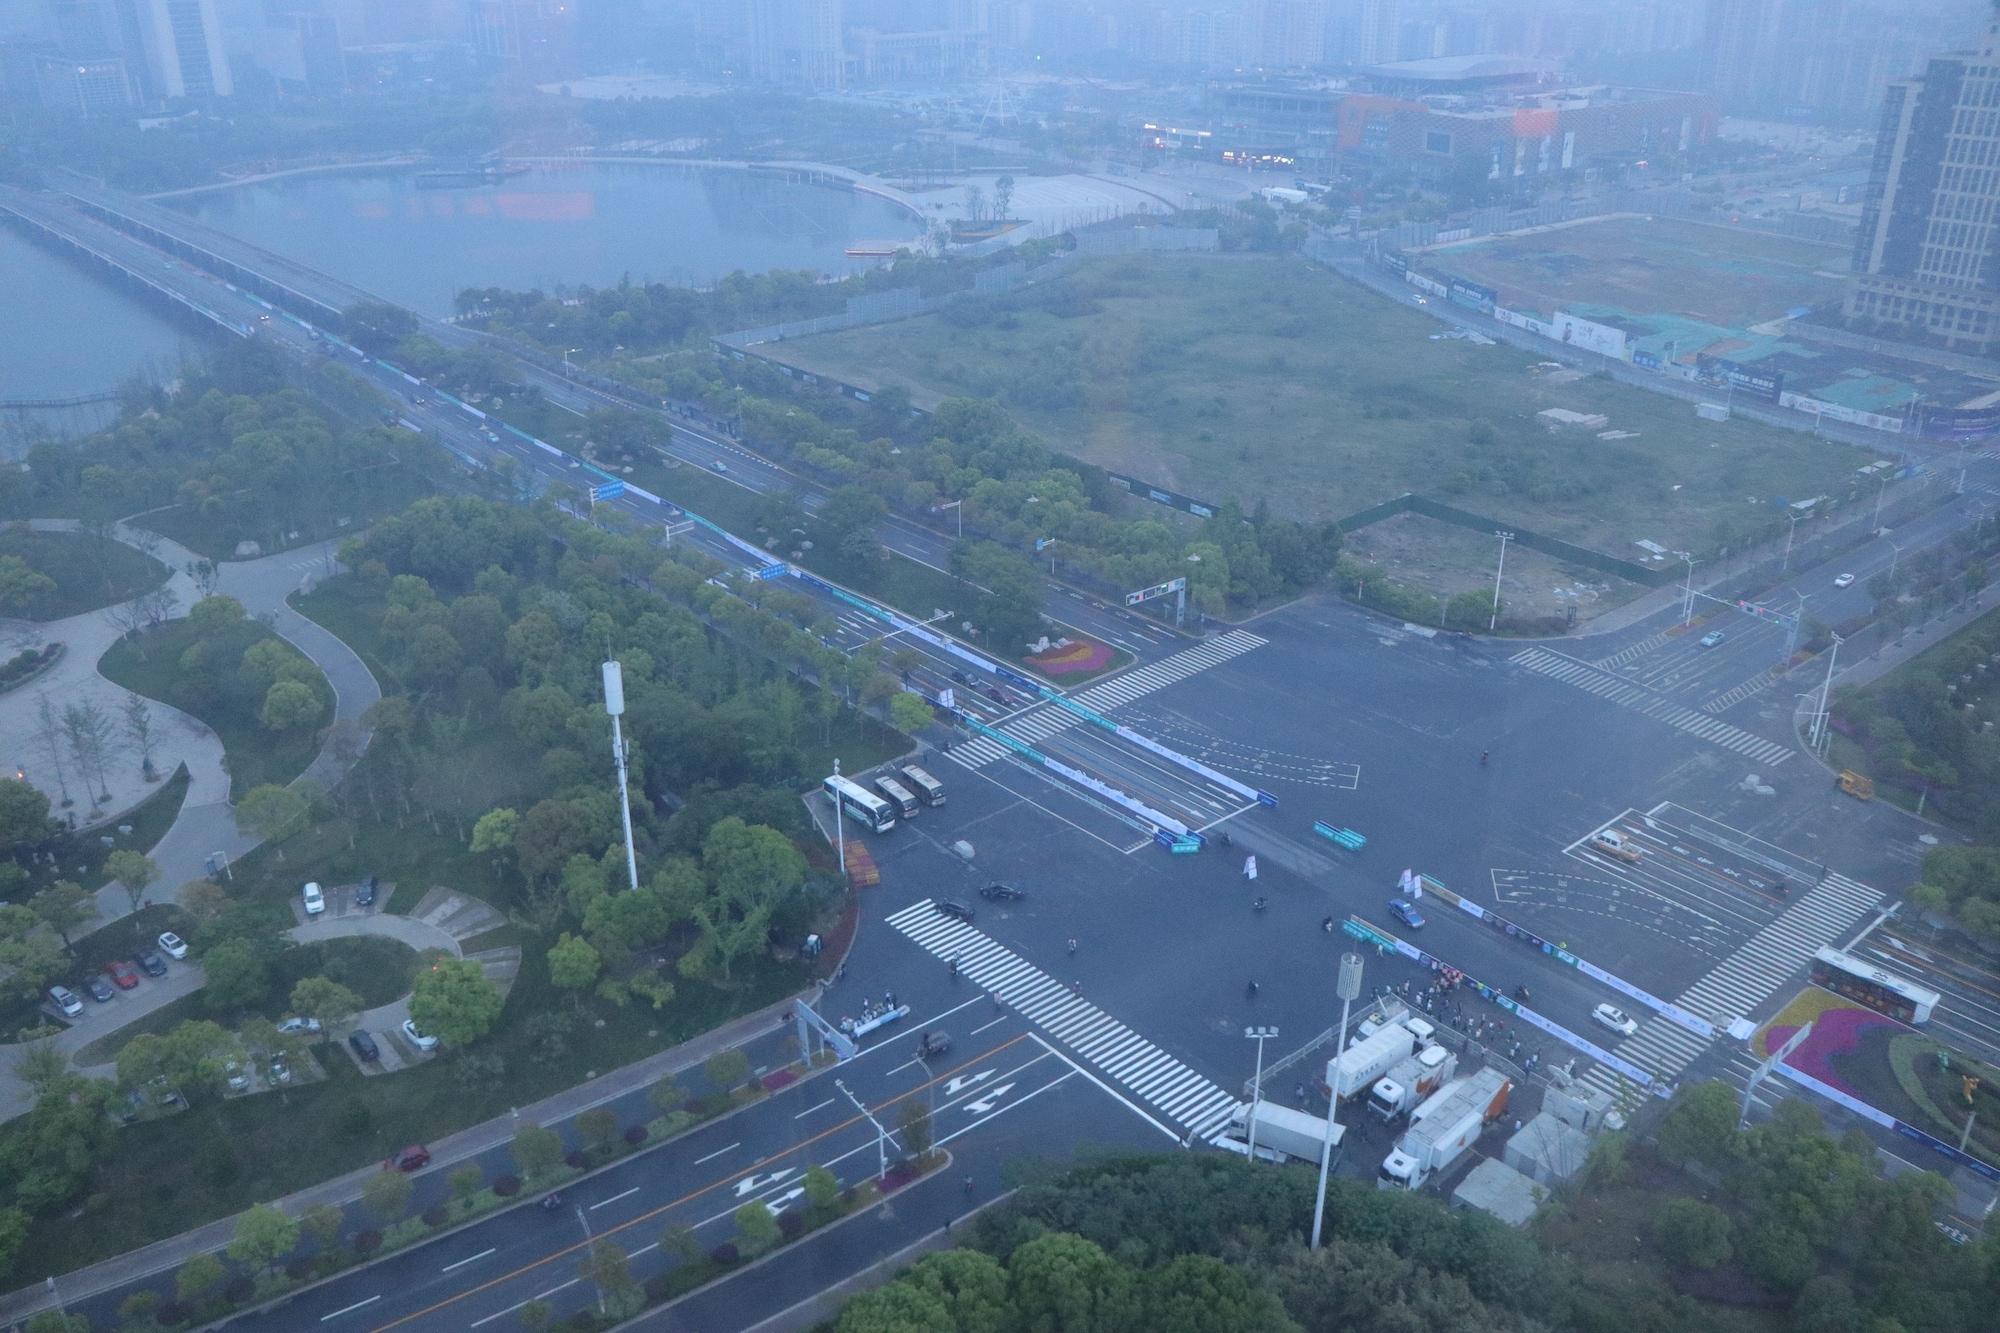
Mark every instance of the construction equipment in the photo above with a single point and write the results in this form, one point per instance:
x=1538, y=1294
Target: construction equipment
x=1858, y=785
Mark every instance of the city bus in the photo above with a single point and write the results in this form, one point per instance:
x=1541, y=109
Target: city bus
x=928, y=789
x=860, y=803
x=896, y=794
x=1859, y=980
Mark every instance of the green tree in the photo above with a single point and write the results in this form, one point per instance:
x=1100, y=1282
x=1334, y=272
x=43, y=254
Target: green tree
x=1700, y=1126
x=751, y=869
x=270, y=812
x=326, y=1000
x=908, y=713
x=1198, y=1293
x=465, y=1182
x=211, y=615
x=667, y=1095
x=822, y=1189
x=289, y=705
x=64, y=906
x=573, y=965
x=322, y=1222
x=13, y=1235
x=607, y=1266
x=537, y=1315
x=387, y=1196
x=914, y=1119
x=1062, y=1281
x=24, y=814
x=188, y=1057
x=133, y=872
x=56, y=1321
x=455, y=1002
x=21, y=583
x=599, y=1127
x=727, y=1069
x=1693, y=1234
x=536, y=1150
x=263, y=1236
x=493, y=835
x=238, y=975
x=845, y=527
x=757, y=1227
x=198, y=1279
x=679, y=1243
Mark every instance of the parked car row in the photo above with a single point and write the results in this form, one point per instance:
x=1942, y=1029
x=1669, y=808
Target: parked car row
x=121, y=973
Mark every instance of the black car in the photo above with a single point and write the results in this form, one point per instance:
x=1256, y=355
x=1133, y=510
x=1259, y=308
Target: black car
x=364, y=1046
x=365, y=895
x=949, y=907
x=1002, y=893
x=152, y=963
x=960, y=678
x=100, y=989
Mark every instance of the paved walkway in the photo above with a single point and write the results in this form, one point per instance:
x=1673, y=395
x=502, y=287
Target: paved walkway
x=207, y=821
x=497, y=1132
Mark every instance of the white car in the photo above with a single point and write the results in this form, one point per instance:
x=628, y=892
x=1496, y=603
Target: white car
x=315, y=900
x=1616, y=1019
x=1844, y=581
x=421, y=1040
x=173, y=946
x=300, y=1025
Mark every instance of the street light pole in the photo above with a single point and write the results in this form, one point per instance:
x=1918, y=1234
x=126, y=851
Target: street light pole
x=1789, y=534
x=1500, y=569
x=1347, y=985
x=1826, y=686
x=839, y=824
x=1260, y=1036
x=1880, y=496
x=1687, y=593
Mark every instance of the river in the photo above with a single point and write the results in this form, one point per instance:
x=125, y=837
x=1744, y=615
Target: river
x=67, y=332
x=584, y=223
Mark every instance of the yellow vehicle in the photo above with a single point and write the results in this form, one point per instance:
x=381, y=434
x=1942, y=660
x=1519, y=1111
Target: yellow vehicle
x=1858, y=785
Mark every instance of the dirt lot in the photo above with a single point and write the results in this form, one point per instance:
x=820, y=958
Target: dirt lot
x=1443, y=559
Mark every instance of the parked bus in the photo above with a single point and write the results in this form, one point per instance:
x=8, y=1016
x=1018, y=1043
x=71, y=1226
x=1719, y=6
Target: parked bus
x=897, y=795
x=1859, y=980
x=928, y=789
x=860, y=803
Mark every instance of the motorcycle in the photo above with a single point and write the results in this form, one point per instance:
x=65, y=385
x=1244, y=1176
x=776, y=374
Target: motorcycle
x=551, y=1203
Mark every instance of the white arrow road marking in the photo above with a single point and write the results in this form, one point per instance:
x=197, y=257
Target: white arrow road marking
x=955, y=1086
x=750, y=1184
x=776, y=1203
x=990, y=1100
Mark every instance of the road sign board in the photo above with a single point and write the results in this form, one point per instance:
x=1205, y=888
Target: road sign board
x=609, y=490
x=1157, y=590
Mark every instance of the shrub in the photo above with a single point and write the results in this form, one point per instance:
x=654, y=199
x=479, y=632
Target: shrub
x=636, y=1135
x=367, y=1242
x=576, y=1161
x=725, y=1254
x=299, y=1269
x=436, y=1215
x=172, y=1314
x=506, y=1187
x=791, y=1225
x=239, y=1289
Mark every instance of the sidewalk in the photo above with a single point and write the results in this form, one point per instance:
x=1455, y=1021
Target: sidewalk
x=171, y=1253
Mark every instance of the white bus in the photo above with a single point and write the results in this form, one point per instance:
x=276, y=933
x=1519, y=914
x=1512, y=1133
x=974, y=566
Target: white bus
x=860, y=803
x=1858, y=979
x=927, y=788
x=896, y=794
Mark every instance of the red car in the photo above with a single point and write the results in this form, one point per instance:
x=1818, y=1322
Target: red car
x=123, y=974
x=413, y=1158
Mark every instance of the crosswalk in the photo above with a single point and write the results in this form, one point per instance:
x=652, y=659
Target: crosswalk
x=1745, y=979
x=1177, y=1092
x=1728, y=699
x=1587, y=677
x=1040, y=723
x=1637, y=650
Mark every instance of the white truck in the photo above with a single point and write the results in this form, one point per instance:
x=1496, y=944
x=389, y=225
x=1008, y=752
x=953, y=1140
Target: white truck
x=1411, y=1081
x=1282, y=1131
x=1354, y=1071
x=1443, y=1128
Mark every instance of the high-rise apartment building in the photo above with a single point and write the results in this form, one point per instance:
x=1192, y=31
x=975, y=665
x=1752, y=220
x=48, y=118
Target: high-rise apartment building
x=84, y=85
x=175, y=46
x=1928, y=252
x=1364, y=32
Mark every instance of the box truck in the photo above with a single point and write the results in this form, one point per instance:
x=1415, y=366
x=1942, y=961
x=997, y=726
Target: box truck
x=1443, y=1128
x=1354, y=1071
x=1282, y=1131
x=1405, y=1087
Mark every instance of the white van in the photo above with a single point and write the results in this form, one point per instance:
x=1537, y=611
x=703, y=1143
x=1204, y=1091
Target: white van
x=315, y=900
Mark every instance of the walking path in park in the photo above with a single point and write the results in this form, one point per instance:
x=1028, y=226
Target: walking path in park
x=206, y=824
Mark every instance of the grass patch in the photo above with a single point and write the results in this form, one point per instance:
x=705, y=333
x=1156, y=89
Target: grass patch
x=89, y=572
x=341, y=510
x=199, y=671
x=1264, y=378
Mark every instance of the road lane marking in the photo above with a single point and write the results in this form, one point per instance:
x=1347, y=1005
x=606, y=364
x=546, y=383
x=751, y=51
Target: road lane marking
x=983, y=1026
x=463, y=1262
x=565, y=1251
x=717, y=1153
x=350, y=1309
x=613, y=1199
x=810, y=1109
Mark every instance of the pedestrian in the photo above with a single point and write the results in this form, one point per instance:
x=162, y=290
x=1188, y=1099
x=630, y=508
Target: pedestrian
x=1302, y=1092
x=1517, y=1124
x=840, y=973
x=1072, y=946
x=968, y=1184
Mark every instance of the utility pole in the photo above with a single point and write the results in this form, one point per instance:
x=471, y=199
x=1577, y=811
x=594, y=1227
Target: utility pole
x=614, y=704
x=1789, y=534
x=1494, y=619
x=839, y=824
x=1687, y=593
x=881, y=1134
x=1347, y=985
x=1825, y=687
x=1260, y=1036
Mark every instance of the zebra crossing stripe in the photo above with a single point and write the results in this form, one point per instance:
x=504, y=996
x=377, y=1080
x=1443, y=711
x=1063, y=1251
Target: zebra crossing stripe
x=1744, y=980
x=1586, y=677
x=1723, y=702
x=1639, y=649
x=1048, y=719
x=1178, y=1092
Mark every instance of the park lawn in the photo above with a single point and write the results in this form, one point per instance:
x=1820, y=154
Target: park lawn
x=153, y=664
x=1711, y=272
x=342, y=510
x=1257, y=377
x=166, y=1175
x=89, y=572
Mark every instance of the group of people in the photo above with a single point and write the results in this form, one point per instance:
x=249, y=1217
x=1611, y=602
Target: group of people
x=870, y=1011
